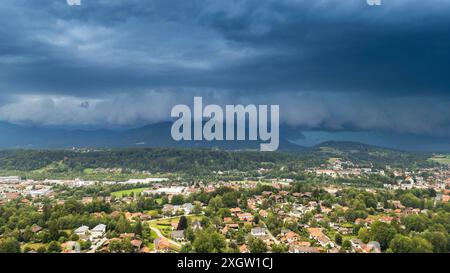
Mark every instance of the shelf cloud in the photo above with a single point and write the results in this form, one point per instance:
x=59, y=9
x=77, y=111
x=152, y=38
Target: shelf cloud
x=331, y=65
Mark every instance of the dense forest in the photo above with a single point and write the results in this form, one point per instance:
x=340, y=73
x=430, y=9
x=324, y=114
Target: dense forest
x=201, y=160
x=369, y=155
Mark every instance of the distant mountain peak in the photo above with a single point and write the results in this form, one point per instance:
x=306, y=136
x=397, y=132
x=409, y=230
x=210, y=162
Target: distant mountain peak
x=151, y=135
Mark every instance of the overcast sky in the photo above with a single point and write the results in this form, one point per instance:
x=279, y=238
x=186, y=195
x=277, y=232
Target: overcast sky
x=330, y=64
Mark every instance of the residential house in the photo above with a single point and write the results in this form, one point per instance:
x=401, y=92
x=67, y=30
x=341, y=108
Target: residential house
x=232, y=226
x=98, y=231
x=247, y=217
x=258, y=231
x=70, y=247
x=82, y=232
x=36, y=228
x=136, y=244
x=263, y=213
x=359, y=247
x=291, y=237
x=168, y=209
x=320, y=237
x=161, y=245
x=127, y=235
x=386, y=219
x=177, y=235
x=244, y=249
x=303, y=249
x=188, y=208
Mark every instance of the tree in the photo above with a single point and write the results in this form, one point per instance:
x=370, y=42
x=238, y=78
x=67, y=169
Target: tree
x=189, y=234
x=9, y=245
x=256, y=245
x=197, y=208
x=233, y=247
x=439, y=241
x=74, y=237
x=27, y=235
x=351, y=215
x=382, y=233
x=186, y=248
x=404, y=244
x=203, y=243
x=415, y=223
x=359, y=205
x=215, y=203
x=177, y=199
x=138, y=229
x=53, y=230
x=46, y=209
x=230, y=199
x=182, y=224
x=401, y=244
x=54, y=247
x=240, y=237
x=41, y=249
x=224, y=212
x=346, y=245
x=147, y=234
x=127, y=247
x=117, y=246
x=209, y=241
x=218, y=241
x=364, y=235
x=123, y=226
x=410, y=200
x=204, y=221
x=273, y=223
x=338, y=238
x=84, y=245
x=279, y=248
x=420, y=245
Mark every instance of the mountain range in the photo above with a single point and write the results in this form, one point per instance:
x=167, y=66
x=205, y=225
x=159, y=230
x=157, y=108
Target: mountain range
x=158, y=135
x=14, y=136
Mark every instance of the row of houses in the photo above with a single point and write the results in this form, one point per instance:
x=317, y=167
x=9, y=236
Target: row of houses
x=187, y=208
x=85, y=233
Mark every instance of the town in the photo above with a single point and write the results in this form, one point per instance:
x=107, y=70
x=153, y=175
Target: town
x=328, y=210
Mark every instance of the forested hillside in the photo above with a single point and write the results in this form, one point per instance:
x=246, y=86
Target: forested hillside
x=173, y=160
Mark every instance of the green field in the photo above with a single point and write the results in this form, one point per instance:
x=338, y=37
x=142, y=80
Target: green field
x=153, y=236
x=330, y=150
x=152, y=212
x=332, y=160
x=441, y=159
x=34, y=246
x=165, y=224
x=136, y=191
x=86, y=174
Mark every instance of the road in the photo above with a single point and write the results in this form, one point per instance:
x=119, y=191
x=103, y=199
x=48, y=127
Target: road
x=270, y=234
x=158, y=232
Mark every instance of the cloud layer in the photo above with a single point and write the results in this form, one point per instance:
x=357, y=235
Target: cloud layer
x=330, y=64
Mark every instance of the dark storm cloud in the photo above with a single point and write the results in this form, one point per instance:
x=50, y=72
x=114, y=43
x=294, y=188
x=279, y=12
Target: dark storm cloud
x=401, y=47
x=330, y=64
